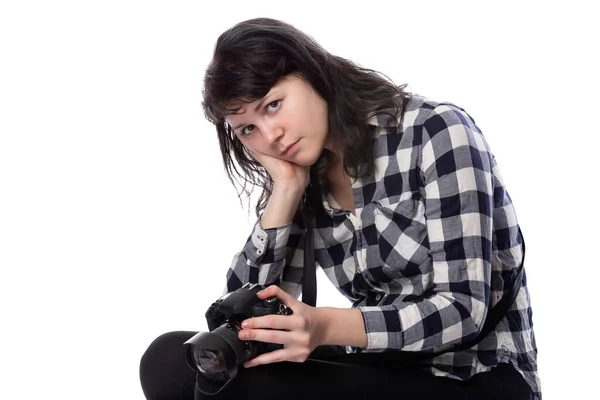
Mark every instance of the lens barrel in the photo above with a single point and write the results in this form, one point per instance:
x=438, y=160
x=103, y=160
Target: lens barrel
x=218, y=354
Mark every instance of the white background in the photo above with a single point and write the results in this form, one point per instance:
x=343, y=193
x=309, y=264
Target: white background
x=117, y=221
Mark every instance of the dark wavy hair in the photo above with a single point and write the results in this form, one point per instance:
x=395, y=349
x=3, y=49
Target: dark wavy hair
x=252, y=56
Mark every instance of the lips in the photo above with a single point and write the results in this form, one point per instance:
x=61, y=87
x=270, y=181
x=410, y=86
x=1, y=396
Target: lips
x=287, y=148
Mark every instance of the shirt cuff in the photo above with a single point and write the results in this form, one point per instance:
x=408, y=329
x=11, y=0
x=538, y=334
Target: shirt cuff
x=267, y=245
x=383, y=327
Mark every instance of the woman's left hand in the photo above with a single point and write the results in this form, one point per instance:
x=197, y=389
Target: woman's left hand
x=299, y=333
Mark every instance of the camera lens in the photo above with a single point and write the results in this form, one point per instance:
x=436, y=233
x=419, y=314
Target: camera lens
x=218, y=354
x=210, y=362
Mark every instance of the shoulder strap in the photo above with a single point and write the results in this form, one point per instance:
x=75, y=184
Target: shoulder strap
x=309, y=280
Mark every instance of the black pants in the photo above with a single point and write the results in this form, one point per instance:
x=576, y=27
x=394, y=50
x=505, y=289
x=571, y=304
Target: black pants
x=165, y=375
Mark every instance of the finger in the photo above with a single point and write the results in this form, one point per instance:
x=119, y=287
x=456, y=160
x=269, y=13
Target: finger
x=294, y=355
x=267, y=336
x=281, y=322
x=287, y=338
x=281, y=294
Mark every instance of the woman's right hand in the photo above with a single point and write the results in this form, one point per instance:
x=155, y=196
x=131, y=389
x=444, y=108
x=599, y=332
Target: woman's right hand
x=285, y=174
x=289, y=183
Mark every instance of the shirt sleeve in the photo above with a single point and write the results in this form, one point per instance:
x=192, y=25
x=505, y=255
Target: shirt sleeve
x=273, y=256
x=456, y=172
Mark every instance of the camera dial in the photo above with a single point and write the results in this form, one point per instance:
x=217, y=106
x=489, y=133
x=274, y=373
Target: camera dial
x=270, y=300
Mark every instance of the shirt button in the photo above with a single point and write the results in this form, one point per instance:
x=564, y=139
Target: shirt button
x=259, y=251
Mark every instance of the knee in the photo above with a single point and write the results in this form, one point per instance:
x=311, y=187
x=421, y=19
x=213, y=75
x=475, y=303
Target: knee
x=163, y=363
x=164, y=349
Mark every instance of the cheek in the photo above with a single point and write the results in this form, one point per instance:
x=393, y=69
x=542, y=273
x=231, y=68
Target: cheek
x=251, y=145
x=294, y=118
x=315, y=119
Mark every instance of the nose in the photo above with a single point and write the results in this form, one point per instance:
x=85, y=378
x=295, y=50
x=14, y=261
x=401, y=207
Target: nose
x=272, y=133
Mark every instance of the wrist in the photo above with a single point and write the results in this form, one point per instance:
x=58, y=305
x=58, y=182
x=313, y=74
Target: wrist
x=321, y=326
x=340, y=327
x=282, y=206
x=288, y=190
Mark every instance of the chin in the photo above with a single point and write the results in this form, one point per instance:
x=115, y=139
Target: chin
x=306, y=161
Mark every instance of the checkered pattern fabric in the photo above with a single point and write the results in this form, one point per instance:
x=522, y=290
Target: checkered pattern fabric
x=433, y=244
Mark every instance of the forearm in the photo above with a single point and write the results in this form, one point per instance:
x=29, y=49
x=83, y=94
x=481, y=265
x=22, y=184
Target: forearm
x=281, y=208
x=341, y=327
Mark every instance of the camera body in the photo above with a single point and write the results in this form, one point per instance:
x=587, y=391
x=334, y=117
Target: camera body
x=216, y=355
x=242, y=304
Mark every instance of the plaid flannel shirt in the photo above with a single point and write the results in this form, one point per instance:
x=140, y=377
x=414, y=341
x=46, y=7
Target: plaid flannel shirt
x=433, y=244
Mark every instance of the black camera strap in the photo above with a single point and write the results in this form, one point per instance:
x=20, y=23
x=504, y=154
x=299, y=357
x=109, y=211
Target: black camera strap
x=309, y=281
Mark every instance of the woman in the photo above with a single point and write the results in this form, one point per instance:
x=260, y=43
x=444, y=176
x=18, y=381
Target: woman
x=411, y=222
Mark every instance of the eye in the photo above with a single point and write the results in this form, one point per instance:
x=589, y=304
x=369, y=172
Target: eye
x=245, y=132
x=271, y=108
x=275, y=106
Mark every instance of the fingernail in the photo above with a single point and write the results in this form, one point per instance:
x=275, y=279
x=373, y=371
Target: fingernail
x=245, y=324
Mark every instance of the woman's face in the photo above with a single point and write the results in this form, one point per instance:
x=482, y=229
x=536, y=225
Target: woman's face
x=290, y=122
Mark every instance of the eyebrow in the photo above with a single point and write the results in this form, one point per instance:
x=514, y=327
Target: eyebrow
x=258, y=106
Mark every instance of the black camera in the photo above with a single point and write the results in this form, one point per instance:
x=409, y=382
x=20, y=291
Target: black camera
x=217, y=355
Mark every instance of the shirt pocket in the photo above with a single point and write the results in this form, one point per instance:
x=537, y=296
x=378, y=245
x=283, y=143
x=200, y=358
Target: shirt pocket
x=401, y=238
